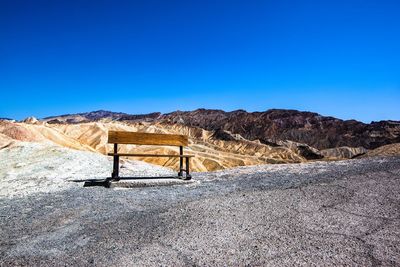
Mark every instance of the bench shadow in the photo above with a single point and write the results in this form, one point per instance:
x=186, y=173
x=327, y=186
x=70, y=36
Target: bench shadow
x=106, y=182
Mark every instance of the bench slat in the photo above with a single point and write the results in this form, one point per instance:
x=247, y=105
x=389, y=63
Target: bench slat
x=149, y=155
x=120, y=137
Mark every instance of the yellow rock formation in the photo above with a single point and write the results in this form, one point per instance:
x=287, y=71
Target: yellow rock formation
x=211, y=154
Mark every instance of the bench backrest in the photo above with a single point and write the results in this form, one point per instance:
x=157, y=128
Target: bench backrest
x=136, y=138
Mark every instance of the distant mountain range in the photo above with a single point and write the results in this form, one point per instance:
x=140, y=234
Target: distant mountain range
x=218, y=139
x=270, y=127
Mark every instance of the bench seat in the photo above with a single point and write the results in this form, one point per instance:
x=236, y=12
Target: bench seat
x=149, y=155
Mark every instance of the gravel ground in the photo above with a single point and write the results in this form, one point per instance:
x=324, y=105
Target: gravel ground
x=318, y=214
x=31, y=168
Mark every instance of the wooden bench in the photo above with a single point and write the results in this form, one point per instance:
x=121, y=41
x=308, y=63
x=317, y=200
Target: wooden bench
x=137, y=138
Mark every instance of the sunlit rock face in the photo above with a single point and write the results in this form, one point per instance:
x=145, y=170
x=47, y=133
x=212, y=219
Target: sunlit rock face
x=386, y=150
x=302, y=127
x=211, y=153
x=343, y=152
x=268, y=127
x=31, y=120
x=218, y=139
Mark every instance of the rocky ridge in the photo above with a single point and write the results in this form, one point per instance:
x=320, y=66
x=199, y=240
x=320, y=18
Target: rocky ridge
x=269, y=127
x=219, y=139
x=277, y=125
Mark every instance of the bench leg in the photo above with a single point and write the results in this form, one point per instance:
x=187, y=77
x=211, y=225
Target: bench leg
x=188, y=176
x=115, y=173
x=180, y=173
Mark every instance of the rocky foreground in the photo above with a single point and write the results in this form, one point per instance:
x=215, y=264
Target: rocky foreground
x=321, y=213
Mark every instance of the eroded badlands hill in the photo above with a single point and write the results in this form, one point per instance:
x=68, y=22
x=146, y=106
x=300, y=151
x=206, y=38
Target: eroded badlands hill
x=211, y=153
x=218, y=139
x=269, y=127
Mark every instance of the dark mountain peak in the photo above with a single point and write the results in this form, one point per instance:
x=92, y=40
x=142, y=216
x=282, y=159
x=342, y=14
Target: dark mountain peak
x=141, y=117
x=208, y=111
x=386, y=122
x=299, y=126
x=273, y=125
x=101, y=114
x=238, y=111
x=89, y=116
x=290, y=113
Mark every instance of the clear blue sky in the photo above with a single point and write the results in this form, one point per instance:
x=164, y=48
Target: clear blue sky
x=338, y=58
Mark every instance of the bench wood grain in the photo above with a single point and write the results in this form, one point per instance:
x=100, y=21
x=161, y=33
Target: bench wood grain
x=150, y=155
x=119, y=137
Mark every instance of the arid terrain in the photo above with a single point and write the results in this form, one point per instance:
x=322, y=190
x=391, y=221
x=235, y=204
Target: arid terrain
x=332, y=204
x=338, y=213
x=219, y=139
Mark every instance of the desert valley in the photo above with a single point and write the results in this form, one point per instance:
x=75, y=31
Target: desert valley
x=219, y=139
